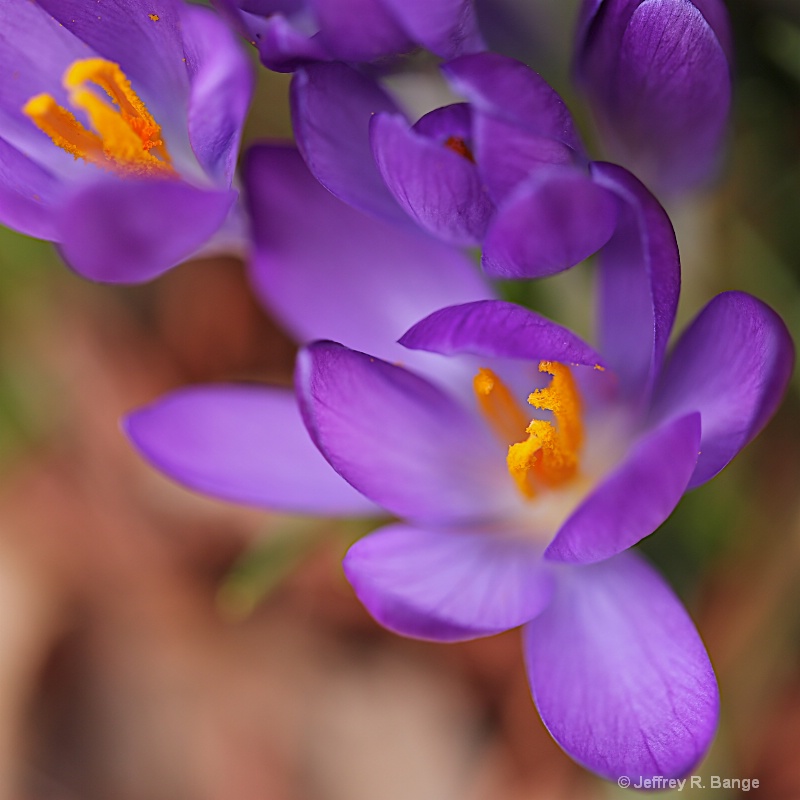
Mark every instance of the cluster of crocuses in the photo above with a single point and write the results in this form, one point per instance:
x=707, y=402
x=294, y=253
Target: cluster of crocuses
x=519, y=463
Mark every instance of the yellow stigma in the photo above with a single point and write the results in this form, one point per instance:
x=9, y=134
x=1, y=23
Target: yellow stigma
x=126, y=139
x=499, y=407
x=549, y=454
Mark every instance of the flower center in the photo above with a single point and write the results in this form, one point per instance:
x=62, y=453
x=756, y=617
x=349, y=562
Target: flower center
x=548, y=457
x=458, y=145
x=126, y=139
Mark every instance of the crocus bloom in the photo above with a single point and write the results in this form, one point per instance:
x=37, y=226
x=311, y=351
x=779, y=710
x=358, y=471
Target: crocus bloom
x=518, y=513
x=324, y=270
x=497, y=536
x=289, y=33
x=506, y=170
x=657, y=75
x=119, y=140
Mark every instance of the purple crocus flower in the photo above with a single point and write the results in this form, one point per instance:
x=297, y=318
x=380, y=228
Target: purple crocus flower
x=506, y=170
x=119, y=139
x=657, y=74
x=496, y=537
x=516, y=517
x=290, y=33
x=324, y=270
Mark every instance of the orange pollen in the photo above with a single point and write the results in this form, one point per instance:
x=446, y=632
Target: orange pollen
x=458, y=145
x=548, y=455
x=124, y=137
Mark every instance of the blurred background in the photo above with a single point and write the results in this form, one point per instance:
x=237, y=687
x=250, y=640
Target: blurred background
x=155, y=644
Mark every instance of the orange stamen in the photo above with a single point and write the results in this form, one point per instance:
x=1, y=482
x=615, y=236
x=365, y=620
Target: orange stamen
x=549, y=454
x=458, y=145
x=126, y=138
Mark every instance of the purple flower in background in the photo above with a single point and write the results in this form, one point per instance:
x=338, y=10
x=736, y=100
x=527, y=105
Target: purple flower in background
x=520, y=517
x=657, y=74
x=324, y=270
x=290, y=33
x=119, y=130
x=506, y=170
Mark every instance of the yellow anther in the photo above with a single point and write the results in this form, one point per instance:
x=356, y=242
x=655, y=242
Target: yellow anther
x=62, y=127
x=126, y=132
x=562, y=398
x=540, y=452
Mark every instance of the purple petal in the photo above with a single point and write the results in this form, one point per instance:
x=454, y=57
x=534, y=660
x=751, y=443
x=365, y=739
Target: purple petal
x=283, y=47
x=662, y=91
x=438, y=187
x=360, y=30
x=635, y=499
x=586, y=16
x=27, y=194
x=733, y=365
x=221, y=88
x=446, y=121
x=245, y=444
x=282, y=31
x=549, y=223
x=331, y=109
x=370, y=280
x=129, y=231
x=512, y=92
x=448, y=586
x=507, y=155
x=448, y=28
x=399, y=439
x=716, y=15
x=640, y=278
x=34, y=52
x=497, y=329
x=619, y=674
x=519, y=122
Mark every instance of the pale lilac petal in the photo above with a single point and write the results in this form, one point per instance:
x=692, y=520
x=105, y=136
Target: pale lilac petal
x=448, y=585
x=221, y=88
x=640, y=280
x=400, y=440
x=619, y=674
x=497, y=329
x=331, y=108
x=245, y=444
x=733, y=365
x=513, y=92
x=27, y=194
x=448, y=28
x=635, y=498
x=129, y=231
x=549, y=223
x=328, y=271
x=439, y=188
